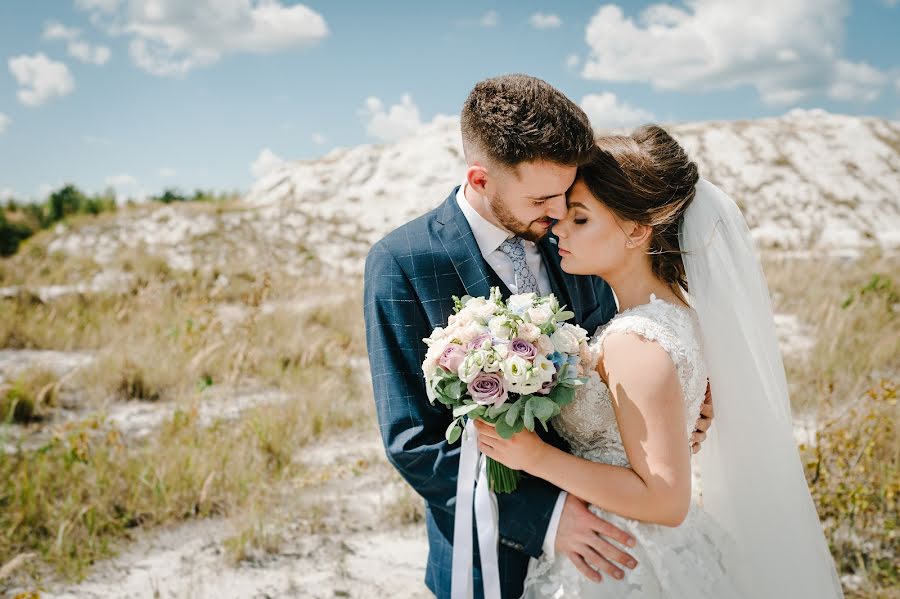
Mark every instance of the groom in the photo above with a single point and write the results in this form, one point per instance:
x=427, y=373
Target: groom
x=523, y=141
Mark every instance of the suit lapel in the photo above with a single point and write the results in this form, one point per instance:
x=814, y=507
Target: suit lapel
x=459, y=243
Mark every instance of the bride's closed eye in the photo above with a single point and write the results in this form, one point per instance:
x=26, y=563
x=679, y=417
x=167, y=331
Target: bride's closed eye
x=580, y=221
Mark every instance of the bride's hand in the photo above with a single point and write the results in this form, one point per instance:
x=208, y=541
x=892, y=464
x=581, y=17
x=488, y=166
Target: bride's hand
x=523, y=450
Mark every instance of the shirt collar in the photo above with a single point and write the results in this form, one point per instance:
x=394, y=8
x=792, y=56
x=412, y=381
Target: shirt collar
x=488, y=236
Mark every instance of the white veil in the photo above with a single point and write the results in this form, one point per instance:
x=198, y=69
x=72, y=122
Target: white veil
x=751, y=475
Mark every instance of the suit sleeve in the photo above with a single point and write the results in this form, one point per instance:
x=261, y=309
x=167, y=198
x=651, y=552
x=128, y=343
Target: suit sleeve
x=411, y=428
x=604, y=309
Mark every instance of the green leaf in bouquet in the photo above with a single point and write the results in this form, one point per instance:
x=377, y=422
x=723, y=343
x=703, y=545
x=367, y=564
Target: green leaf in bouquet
x=563, y=395
x=454, y=389
x=497, y=411
x=512, y=414
x=466, y=409
x=454, y=431
x=563, y=315
x=542, y=407
x=504, y=429
x=528, y=417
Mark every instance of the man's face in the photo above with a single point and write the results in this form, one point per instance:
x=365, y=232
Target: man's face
x=527, y=199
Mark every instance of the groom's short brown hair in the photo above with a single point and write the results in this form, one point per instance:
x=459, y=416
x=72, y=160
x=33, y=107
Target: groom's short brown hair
x=517, y=118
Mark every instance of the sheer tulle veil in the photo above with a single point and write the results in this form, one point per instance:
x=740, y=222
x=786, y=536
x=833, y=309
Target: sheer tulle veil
x=751, y=475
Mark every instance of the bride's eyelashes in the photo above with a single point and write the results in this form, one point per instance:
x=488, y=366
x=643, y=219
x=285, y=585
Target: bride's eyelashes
x=580, y=221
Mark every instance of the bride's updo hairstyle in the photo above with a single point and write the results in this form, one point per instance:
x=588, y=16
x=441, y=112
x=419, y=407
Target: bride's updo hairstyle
x=646, y=178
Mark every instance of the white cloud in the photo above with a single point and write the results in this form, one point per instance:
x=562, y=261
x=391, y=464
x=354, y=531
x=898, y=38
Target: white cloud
x=123, y=180
x=489, y=19
x=397, y=122
x=572, y=61
x=172, y=37
x=85, y=52
x=266, y=162
x=319, y=139
x=891, y=3
x=540, y=20
x=4, y=123
x=7, y=193
x=40, y=78
x=167, y=172
x=787, y=49
x=856, y=81
x=77, y=47
x=58, y=31
x=605, y=111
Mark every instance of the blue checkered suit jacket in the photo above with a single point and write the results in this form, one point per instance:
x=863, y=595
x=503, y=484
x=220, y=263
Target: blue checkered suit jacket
x=410, y=278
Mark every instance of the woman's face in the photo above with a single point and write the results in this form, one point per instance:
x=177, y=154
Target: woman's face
x=591, y=238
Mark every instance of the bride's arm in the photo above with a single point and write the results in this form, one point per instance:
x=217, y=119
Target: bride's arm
x=647, y=398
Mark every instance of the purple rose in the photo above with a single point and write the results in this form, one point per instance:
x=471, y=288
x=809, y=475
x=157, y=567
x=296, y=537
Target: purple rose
x=523, y=348
x=488, y=389
x=477, y=342
x=452, y=356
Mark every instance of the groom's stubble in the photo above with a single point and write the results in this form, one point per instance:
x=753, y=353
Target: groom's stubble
x=531, y=231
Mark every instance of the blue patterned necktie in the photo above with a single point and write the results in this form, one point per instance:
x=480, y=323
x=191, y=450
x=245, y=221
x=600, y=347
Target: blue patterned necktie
x=526, y=282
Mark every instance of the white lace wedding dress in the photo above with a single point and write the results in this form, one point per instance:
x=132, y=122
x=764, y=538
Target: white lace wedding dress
x=692, y=560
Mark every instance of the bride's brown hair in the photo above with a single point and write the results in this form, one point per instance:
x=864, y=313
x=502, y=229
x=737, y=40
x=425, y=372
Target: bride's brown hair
x=647, y=178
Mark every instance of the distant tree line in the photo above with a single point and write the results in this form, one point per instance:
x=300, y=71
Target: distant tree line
x=20, y=220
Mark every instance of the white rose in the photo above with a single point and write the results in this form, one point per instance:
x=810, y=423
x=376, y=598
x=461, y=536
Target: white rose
x=486, y=311
x=544, y=345
x=539, y=314
x=501, y=350
x=579, y=333
x=475, y=302
x=529, y=332
x=471, y=366
x=565, y=341
x=470, y=332
x=521, y=301
x=500, y=328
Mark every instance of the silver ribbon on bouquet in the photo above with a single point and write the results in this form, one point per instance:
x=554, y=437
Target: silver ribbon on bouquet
x=472, y=466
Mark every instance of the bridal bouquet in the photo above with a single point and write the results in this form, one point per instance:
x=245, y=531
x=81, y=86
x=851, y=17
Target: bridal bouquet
x=509, y=363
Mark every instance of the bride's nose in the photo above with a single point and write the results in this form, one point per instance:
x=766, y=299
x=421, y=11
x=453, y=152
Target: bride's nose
x=560, y=229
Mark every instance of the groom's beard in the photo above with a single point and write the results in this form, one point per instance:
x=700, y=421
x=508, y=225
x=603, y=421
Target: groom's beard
x=533, y=231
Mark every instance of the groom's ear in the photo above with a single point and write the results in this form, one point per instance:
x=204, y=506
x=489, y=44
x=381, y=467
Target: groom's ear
x=477, y=177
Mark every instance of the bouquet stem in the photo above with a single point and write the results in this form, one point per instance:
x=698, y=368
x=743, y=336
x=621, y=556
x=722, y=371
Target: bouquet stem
x=501, y=478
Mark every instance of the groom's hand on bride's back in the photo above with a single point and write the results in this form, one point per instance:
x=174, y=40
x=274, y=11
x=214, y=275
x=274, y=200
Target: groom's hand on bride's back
x=582, y=537
x=704, y=422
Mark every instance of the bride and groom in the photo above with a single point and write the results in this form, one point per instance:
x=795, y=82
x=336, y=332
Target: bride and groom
x=605, y=505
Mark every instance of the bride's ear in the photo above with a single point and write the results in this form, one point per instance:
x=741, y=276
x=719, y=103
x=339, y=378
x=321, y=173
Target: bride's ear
x=636, y=234
x=476, y=177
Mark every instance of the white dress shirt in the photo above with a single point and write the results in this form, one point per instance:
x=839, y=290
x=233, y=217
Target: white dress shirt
x=489, y=236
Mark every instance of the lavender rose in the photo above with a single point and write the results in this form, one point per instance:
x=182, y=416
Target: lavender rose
x=479, y=341
x=488, y=389
x=452, y=356
x=523, y=348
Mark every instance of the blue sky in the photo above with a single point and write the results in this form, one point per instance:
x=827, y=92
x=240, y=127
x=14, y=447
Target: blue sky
x=147, y=94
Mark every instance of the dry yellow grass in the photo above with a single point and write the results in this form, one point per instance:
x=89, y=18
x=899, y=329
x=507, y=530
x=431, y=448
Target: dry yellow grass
x=165, y=339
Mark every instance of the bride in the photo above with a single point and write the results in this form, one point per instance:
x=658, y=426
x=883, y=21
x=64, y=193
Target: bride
x=693, y=303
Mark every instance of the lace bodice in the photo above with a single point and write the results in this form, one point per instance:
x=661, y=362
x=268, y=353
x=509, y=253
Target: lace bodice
x=589, y=422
